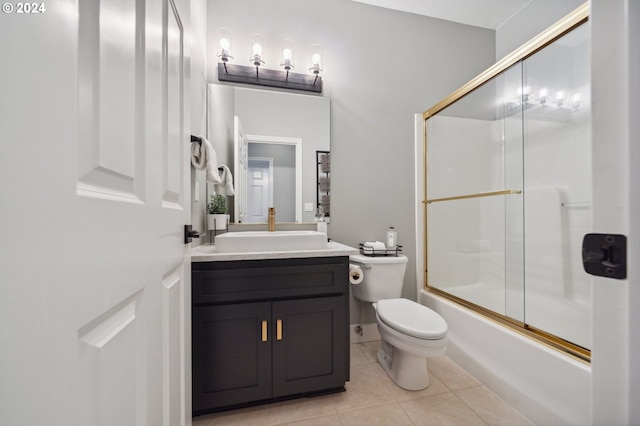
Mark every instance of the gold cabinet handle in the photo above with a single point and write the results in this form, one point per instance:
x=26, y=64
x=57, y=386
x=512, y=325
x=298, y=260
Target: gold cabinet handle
x=264, y=331
x=279, y=329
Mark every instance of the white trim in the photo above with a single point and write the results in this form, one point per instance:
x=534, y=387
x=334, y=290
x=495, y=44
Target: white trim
x=269, y=161
x=615, y=64
x=419, y=194
x=297, y=144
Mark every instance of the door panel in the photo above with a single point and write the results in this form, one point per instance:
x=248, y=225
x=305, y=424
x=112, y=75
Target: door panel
x=111, y=356
x=260, y=192
x=110, y=157
x=233, y=354
x=174, y=142
x=95, y=323
x=173, y=362
x=310, y=354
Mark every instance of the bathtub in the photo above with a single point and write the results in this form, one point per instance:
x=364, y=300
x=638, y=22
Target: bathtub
x=545, y=385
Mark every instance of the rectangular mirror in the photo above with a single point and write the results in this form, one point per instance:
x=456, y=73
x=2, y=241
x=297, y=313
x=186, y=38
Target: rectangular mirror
x=270, y=140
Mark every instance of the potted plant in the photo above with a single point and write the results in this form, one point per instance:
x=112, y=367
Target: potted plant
x=217, y=213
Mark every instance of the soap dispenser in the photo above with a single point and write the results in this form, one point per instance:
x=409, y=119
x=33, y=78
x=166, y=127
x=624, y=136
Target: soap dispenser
x=321, y=225
x=392, y=238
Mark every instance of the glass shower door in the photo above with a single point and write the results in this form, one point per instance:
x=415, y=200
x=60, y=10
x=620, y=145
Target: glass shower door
x=558, y=187
x=508, y=194
x=474, y=199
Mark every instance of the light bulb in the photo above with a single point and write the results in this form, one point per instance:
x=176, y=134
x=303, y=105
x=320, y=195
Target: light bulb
x=287, y=54
x=256, y=43
x=224, y=41
x=575, y=99
x=542, y=94
x=316, y=60
x=523, y=90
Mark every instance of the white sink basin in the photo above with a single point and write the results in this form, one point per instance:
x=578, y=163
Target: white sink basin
x=259, y=241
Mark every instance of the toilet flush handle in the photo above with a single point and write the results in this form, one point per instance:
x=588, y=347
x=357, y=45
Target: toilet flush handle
x=363, y=265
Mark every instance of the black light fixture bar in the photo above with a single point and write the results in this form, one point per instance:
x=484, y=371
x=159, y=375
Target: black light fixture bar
x=270, y=78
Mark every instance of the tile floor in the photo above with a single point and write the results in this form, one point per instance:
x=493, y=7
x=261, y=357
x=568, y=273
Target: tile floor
x=453, y=398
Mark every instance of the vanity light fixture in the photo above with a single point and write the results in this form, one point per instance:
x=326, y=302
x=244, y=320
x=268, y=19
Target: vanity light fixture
x=525, y=99
x=284, y=78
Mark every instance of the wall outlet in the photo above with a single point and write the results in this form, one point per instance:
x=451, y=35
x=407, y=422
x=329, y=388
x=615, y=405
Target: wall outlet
x=308, y=207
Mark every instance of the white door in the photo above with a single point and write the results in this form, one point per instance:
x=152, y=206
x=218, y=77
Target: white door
x=94, y=302
x=241, y=167
x=260, y=189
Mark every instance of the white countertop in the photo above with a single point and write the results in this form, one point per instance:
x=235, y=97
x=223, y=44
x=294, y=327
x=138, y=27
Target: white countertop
x=207, y=253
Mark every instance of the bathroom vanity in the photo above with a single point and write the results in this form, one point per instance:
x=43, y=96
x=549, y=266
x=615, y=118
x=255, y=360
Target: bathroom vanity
x=268, y=325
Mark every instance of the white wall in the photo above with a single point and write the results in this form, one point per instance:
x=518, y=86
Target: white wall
x=381, y=67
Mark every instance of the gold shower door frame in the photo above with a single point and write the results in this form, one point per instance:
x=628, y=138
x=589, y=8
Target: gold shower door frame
x=567, y=24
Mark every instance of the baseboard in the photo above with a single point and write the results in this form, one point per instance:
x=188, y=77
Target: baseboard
x=369, y=333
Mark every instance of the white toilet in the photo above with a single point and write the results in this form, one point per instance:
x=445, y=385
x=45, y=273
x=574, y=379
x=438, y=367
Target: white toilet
x=410, y=332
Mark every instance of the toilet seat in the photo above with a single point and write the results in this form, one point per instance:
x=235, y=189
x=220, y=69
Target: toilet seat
x=411, y=318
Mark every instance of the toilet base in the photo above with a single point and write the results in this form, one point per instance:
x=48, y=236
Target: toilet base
x=406, y=370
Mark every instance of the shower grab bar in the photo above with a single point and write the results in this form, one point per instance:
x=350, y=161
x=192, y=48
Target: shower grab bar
x=481, y=194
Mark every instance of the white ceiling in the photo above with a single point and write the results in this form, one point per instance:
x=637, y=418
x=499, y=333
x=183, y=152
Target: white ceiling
x=481, y=13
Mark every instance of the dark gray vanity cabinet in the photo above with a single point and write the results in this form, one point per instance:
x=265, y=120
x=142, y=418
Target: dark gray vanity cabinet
x=268, y=329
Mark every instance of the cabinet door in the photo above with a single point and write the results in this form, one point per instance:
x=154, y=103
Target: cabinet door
x=309, y=345
x=231, y=355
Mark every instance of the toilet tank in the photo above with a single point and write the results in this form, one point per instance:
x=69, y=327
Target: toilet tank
x=382, y=277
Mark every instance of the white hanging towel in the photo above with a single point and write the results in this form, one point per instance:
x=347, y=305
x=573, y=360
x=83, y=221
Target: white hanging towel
x=226, y=185
x=203, y=156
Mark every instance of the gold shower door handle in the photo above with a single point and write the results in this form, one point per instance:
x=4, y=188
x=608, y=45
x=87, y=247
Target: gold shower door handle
x=279, y=329
x=264, y=331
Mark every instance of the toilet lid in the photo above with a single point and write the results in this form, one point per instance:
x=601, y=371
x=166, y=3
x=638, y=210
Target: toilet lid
x=412, y=318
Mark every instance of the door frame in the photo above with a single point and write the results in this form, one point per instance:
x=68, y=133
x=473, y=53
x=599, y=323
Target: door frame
x=297, y=144
x=269, y=161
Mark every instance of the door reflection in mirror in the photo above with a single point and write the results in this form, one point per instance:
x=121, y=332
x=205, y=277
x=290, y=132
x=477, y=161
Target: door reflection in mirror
x=272, y=181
